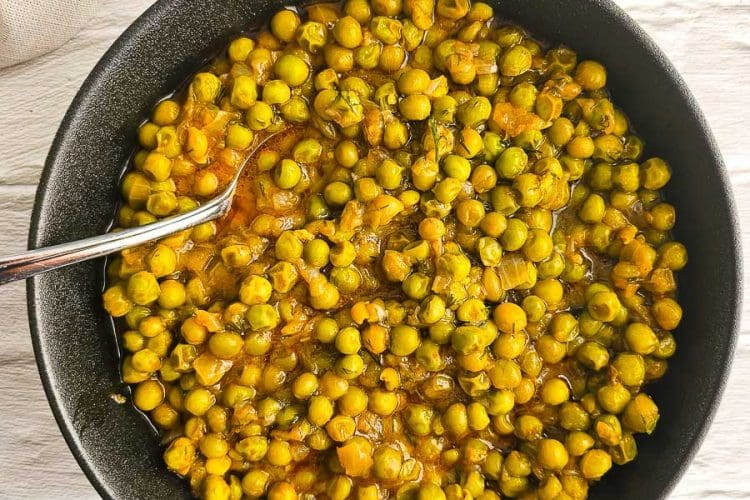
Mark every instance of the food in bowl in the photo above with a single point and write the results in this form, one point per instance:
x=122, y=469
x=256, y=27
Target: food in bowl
x=448, y=273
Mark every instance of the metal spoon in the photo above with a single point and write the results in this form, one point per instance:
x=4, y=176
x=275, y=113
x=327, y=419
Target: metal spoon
x=33, y=262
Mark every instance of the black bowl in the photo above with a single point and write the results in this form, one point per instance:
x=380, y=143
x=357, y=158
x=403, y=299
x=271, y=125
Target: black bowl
x=73, y=338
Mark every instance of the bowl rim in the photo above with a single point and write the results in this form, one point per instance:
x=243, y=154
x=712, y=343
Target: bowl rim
x=144, y=20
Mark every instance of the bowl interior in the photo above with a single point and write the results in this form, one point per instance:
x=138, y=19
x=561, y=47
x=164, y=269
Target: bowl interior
x=74, y=340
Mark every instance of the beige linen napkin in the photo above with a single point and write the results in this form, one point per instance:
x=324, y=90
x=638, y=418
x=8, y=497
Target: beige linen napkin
x=30, y=28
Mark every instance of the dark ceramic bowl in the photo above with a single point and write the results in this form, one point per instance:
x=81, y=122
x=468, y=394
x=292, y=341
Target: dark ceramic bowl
x=74, y=340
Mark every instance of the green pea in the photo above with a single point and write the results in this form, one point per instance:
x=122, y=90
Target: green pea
x=295, y=110
x=293, y=70
x=514, y=236
x=259, y=116
x=457, y=167
x=312, y=36
x=238, y=136
x=595, y=463
x=444, y=109
x=641, y=338
x=244, y=92
x=490, y=251
x=348, y=341
x=240, y=48
x=287, y=174
x=337, y=193
x=613, y=397
x=262, y=317
x=350, y=366
x=523, y=95
x=368, y=55
x=592, y=209
x=428, y=355
x=593, y=355
x=511, y=163
x=387, y=462
x=419, y=419
x=474, y=111
x=317, y=208
x=288, y=247
x=417, y=285
x=348, y=32
x=432, y=309
x=326, y=330
x=206, y=87
x=404, y=340
x=389, y=174
x=448, y=190
x=641, y=414
x=515, y=61
x=346, y=279
x=385, y=29
x=143, y=288
x=455, y=420
x=604, y=306
x=415, y=107
x=655, y=173
x=316, y=252
x=493, y=146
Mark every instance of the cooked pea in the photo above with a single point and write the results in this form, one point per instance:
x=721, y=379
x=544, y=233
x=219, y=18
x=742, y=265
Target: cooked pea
x=591, y=75
x=206, y=87
x=316, y=252
x=552, y=454
x=613, y=397
x=404, y=340
x=641, y=414
x=506, y=374
x=282, y=490
x=641, y=338
x=348, y=32
x=555, y=391
x=515, y=61
x=348, y=340
x=262, y=317
x=148, y=395
x=353, y=402
x=431, y=229
x=655, y=173
x=198, y=401
x=604, y=306
x=244, y=92
x=287, y=174
x=225, y=344
x=661, y=217
x=417, y=285
x=667, y=313
x=284, y=25
x=337, y=193
x=346, y=154
x=419, y=419
x=515, y=235
x=387, y=462
x=631, y=369
x=592, y=355
x=350, y=366
x=595, y=463
x=166, y=112
x=511, y=162
x=340, y=428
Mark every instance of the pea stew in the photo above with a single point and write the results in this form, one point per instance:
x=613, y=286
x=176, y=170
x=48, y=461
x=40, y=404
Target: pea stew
x=448, y=273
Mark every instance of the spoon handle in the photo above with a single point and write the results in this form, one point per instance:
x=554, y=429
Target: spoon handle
x=33, y=262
